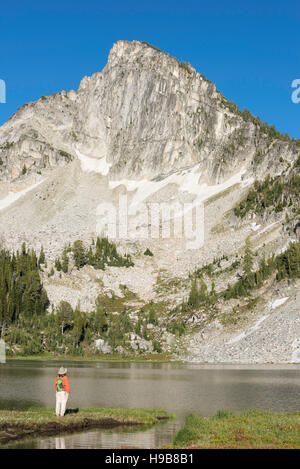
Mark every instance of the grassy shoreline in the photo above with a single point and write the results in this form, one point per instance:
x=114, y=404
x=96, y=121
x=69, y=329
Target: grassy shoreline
x=252, y=429
x=99, y=358
x=15, y=425
x=149, y=359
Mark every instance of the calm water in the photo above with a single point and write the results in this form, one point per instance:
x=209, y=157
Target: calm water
x=180, y=388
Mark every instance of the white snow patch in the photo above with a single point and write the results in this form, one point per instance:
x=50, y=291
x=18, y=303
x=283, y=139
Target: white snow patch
x=130, y=185
x=96, y=165
x=13, y=196
x=255, y=227
x=237, y=338
x=267, y=228
x=256, y=326
x=187, y=181
x=246, y=333
x=247, y=182
x=279, y=302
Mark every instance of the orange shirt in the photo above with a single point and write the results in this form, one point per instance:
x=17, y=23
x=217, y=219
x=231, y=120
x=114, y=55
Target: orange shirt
x=65, y=383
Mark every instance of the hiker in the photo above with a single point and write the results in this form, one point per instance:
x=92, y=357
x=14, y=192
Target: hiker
x=62, y=389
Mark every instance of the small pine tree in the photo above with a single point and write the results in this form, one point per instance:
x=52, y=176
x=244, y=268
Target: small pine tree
x=193, y=299
x=42, y=257
x=64, y=315
x=65, y=262
x=79, y=254
x=248, y=259
x=202, y=295
x=80, y=323
x=58, y=265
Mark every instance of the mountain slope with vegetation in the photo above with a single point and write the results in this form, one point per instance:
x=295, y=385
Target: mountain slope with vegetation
x=153, y=131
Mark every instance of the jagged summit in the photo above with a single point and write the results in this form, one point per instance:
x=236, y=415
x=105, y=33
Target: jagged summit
x=146, y=114
x=131, y=51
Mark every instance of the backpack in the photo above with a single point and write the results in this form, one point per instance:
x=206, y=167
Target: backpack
x=59, y=384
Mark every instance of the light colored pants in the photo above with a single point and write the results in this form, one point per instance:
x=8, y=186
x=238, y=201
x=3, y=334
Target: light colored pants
x=61, y=402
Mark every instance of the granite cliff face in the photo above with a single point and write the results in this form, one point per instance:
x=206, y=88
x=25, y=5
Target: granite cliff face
x=144, y=115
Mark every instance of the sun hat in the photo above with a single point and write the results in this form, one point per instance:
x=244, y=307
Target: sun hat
x=62, y=371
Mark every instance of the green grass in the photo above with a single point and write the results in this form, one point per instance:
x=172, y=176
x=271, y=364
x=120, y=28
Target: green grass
x=152, y=358
x=35, y=415
x=249, y=429
x=33, y=422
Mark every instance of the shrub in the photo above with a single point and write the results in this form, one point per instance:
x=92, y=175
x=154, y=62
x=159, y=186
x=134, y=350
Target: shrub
x=156, y=346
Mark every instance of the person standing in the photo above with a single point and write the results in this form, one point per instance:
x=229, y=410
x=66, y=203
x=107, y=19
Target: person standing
x=62, y=389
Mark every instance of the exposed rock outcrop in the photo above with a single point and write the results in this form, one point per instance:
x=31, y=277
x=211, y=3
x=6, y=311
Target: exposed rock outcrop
x=146, y=114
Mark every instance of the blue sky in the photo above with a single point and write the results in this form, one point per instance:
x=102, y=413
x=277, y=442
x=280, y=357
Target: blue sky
x=249, y=49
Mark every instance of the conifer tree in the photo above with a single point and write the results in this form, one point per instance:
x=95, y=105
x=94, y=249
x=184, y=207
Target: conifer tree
x=42, y=257
x=58, y=265
x=202, y=295
x=248, y=259
x=79, y=254
x=193, y=299
x=80, y=323
x=64, y=315
x=65, y=261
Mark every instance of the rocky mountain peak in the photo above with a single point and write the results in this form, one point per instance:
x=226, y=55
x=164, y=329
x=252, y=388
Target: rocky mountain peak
x=146, y=114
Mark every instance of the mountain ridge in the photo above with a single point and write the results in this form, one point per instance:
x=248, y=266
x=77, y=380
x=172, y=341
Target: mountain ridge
x=146, y=104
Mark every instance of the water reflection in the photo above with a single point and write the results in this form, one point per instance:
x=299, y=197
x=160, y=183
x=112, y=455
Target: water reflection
x=154, y=437
x=60, y=442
